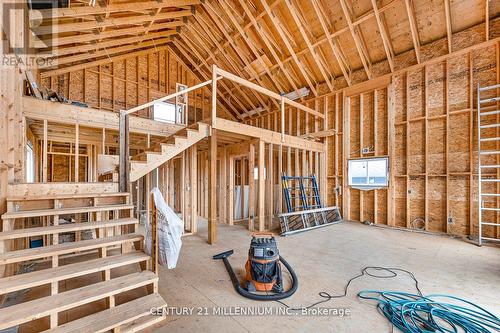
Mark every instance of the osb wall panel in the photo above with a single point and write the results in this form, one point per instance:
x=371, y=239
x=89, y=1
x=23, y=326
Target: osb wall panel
x=434, y=148
x=130, y=82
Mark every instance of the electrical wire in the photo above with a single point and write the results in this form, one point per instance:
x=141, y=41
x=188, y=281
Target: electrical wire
x=416, y=313
x=368, y=271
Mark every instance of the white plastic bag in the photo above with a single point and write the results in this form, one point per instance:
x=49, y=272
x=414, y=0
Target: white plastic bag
x=169, y=228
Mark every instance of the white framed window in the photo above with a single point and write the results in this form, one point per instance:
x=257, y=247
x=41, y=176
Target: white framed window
x=164, y=112
x=368, y=173
x=30, y=163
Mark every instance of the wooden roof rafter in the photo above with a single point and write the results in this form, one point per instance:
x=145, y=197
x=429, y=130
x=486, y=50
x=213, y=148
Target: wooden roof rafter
x=449, y=30
x=269, y=46
x=333, y=42
x=106, y=52
x=110, y=22
x=184, y=52
x=277, y=25
x=206, y=48
x=250, y=45
x=384, y=36
x=323, y=70
x=215, y=18
x=413, y=28
x=357, y=40
x=92, y=37
x=235, y=66
x=208, y=67
x=72, y=12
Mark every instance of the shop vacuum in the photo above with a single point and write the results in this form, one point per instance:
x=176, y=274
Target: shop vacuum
x=264, y=279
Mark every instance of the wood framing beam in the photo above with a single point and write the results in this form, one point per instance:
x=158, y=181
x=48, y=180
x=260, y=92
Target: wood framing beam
x=333, y=42
x=383, y=34
x=205, y=75
x=262, y=35
x=110, y=22
x=59, y=71
x=212, y=188
x=250, y=45
x=487, y=19
x=268, y=136
x=242, y=55
x=357, y=41
x=107, y=8
x=323, y=70
x=267, y=92
x=43, y=110
x=449, y=30
x=322, y=39
x=110, y=43
x=236, y=67
x=104, y=53
x=277, y=25
x=89, y=37
x=199, y=41
x=251, y=187
x=413, y=28
x=262, y=187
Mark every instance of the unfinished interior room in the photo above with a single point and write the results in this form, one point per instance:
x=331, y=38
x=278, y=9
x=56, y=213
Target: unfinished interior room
x=250, y=166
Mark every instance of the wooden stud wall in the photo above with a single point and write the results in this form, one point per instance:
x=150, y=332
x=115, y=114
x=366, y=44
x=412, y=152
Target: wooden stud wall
x=424, y=121
x=125, y=83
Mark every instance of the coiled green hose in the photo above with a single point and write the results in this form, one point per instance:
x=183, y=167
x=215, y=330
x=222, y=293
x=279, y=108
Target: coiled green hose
x=413, y=313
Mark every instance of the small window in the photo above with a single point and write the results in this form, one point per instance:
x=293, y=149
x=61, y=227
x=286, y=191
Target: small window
x=30, y=163
x=164, y=112
x=368, y=173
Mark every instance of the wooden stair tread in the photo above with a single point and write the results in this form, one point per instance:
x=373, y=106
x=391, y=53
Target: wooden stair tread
x=62, y=211
x=70, y=196
x=141, y=164
x=110, y=318
x=38, y=308
x=58, y=249
x=55, y=229
x=141, y=323
x=37, y=278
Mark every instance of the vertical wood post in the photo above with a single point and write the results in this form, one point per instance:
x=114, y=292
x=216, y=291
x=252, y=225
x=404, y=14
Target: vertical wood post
x=282, y=110
x=223, y=186
x=214, y=96
x=124, y=167
x=230, y=204
x=194, y=181
x=262, y=187
x=212, y=187
x=77, y=153
x=154, y=234
x=251, y=187
x=45, y=146
x=280, y=172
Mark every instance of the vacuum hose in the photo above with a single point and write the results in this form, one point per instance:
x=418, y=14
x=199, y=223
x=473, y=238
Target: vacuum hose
x=258, y=297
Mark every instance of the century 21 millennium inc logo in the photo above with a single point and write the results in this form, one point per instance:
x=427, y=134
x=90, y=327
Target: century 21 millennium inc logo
x=26, y=30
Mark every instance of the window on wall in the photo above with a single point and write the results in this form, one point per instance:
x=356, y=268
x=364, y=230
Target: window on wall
x=164, y=112
x=30, y=163
x=368, y=173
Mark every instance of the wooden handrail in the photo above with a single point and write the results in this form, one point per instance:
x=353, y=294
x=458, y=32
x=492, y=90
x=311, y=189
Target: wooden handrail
x=181, y=92
x=267, y=92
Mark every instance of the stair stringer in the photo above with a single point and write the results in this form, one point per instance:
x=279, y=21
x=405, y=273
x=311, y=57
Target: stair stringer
x=155, y=159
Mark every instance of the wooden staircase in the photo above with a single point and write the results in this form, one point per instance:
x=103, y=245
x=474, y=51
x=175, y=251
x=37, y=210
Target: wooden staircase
x=155, y=156
x=92, y=269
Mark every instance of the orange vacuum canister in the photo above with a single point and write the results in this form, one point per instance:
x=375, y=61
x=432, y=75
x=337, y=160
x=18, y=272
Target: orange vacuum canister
x=263, y=268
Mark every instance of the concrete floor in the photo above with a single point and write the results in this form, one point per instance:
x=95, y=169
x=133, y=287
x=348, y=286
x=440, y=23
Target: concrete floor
x=324, y=259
